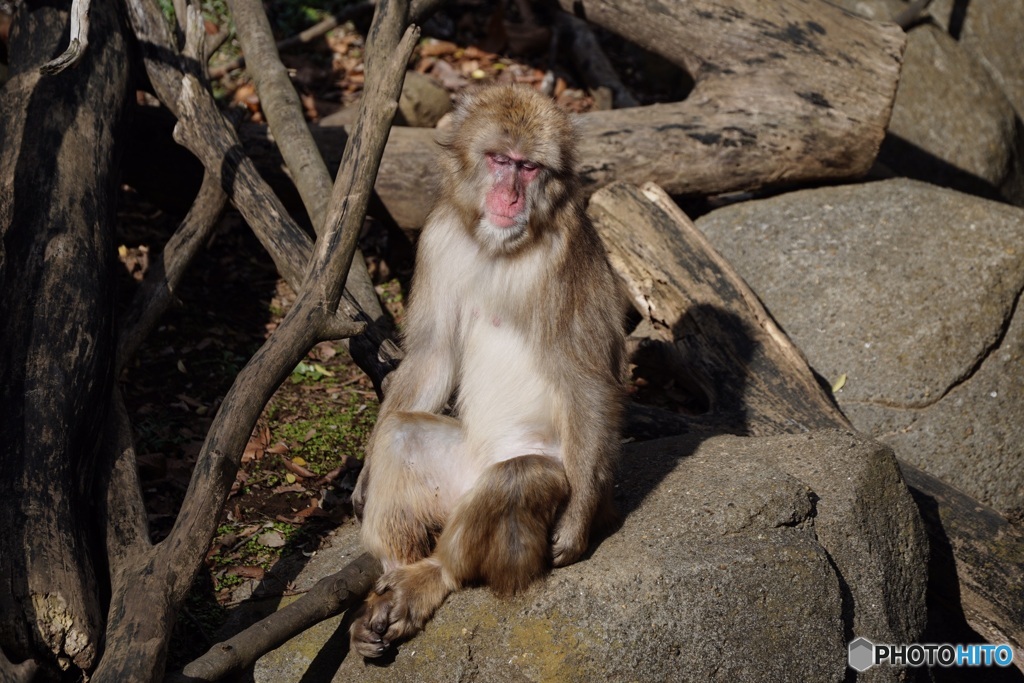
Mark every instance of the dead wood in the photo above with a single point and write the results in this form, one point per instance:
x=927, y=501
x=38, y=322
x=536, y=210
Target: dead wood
x=308, y=172
x=709, y=333
x=312, y=33
x=786, y=93
x=219, y=150
x=976, y=568
x=58, y=168
x=78, y=44
x=280, y=104
x=330, y=596
x=149, y=584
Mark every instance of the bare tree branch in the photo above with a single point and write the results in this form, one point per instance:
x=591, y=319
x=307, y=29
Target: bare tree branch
x=163, y=62
x=388, y=53
x=157, y=290
x=167, y=569
x=331, y=595
x=78, y=44
x=309, y=173
x=319, y=29
x=221, y=153
x=124, y=512
x=280, y=104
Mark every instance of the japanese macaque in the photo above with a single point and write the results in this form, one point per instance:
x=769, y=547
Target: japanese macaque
x=514, y=318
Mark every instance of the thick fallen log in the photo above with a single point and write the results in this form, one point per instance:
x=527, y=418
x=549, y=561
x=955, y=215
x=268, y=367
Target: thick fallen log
x=57, y=174
x=785, y=105
x=976, y=572
x=712, y=336
x=707, y=331
x=786, y=92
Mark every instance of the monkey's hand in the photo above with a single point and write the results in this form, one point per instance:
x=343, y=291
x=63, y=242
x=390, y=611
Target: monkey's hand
x=572, y=533
x=359, y=492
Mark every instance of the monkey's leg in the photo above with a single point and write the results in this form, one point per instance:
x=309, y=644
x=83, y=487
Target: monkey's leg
x=420, y=469
x=498, y=534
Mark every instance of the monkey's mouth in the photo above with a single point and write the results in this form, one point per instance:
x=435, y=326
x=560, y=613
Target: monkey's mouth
x=500, y=221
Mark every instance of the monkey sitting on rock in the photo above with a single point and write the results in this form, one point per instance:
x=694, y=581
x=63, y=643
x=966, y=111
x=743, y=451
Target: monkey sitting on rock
x=514, y=315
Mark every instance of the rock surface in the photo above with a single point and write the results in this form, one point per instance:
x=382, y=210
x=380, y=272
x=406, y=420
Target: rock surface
x=421, y=105
x=956, y=118
x=911, y=291
x=739, y=559
x=991, y=31
x=951, y=124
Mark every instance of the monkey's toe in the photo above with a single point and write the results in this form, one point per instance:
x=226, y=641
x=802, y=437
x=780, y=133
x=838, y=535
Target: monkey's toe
x=367, y=643
x=567, y=547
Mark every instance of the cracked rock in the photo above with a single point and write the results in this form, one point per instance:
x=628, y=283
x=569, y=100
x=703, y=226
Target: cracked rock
x=912, y=292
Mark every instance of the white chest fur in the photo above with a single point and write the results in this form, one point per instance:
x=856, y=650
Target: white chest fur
x=503, y=393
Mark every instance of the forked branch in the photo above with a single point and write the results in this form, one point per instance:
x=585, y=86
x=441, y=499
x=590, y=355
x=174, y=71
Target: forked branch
x=168, y=568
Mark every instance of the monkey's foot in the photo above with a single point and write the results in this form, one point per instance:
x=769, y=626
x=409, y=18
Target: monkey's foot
x=382, y=622
x=402, y=602
x=569, y=541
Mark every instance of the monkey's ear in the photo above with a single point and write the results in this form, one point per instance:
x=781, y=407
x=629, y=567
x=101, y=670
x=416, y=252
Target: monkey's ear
x=464, y=102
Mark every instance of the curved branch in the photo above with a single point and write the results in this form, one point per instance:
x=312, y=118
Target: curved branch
x=331, y=595
x=78, y=43
x=148, y=588
x=123, y=512
x=309, y=35
x=388, y=51
x=307, y=169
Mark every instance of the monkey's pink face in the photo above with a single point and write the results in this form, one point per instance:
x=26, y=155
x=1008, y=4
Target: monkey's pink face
x=507, y=202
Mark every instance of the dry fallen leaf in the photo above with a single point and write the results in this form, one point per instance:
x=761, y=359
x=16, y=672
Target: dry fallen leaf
x=247, y=572
x=271, y=539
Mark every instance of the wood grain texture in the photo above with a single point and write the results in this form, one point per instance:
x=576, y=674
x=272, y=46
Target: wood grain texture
x=786, y=92
x=709, y=329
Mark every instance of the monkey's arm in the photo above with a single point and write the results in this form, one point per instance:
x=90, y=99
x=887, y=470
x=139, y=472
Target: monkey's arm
x=590, y=445
x=426, y=377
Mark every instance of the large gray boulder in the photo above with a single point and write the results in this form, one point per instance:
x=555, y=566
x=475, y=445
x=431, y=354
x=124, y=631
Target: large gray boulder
x=951, y=123
x=739, y=559
x=991, y=31
x=911, y=291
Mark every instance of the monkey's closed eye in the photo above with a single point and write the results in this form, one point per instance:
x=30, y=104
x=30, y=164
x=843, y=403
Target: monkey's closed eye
x=500, y=159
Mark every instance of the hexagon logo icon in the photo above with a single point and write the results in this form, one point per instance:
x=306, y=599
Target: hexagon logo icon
x=861, y=654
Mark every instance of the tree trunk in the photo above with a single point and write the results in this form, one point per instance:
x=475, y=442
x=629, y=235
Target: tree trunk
x=58, y=173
